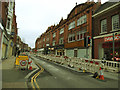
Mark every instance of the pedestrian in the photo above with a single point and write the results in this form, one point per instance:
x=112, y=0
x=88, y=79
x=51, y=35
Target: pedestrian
x=18, y=52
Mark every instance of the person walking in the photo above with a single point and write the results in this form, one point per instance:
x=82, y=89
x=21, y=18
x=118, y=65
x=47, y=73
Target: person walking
x=18, y=52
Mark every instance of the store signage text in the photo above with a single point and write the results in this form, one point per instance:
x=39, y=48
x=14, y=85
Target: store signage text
x=110, y=38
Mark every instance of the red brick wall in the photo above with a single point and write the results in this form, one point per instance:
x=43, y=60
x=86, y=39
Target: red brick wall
x=4, y=13
x=108, y=16
x=96, y=46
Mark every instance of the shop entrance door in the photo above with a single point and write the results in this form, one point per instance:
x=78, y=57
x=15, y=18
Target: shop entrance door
x=75, y=53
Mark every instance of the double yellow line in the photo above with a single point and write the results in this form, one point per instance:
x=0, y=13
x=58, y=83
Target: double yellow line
x=33, y=80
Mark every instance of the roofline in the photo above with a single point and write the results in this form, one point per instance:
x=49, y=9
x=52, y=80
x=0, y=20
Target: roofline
x=105, y=9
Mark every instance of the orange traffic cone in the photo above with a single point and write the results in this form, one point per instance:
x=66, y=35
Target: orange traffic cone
x=101, y=74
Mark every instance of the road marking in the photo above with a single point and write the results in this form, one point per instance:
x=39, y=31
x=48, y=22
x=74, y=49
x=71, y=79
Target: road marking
x=34, y=78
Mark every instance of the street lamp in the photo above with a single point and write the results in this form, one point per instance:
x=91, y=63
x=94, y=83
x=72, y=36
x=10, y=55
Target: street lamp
x=114, y=45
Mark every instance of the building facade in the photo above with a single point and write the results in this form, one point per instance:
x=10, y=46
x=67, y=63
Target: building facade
x=68, y=38
x=8, y=22
x=107, y=31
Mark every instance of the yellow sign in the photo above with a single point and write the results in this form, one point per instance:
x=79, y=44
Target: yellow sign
x=20, y=58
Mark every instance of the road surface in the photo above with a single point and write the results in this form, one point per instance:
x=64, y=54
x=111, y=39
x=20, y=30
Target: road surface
x=55, y=76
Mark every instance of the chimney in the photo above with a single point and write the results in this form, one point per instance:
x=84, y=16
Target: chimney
x=99, y=2
x=76, y=3
x=88, y=0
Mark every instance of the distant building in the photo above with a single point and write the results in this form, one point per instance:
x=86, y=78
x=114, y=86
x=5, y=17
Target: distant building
x=106, y=23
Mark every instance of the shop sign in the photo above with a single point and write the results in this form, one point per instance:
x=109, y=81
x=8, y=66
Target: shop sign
x=110, y=38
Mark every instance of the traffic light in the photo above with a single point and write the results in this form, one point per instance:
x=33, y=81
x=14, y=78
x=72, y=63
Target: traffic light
x=87, y=41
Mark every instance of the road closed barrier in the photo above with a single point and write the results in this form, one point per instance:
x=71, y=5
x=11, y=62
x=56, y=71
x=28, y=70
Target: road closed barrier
x=90, y=65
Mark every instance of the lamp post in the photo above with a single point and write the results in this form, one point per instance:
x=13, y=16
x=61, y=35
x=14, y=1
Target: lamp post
x=113, y=47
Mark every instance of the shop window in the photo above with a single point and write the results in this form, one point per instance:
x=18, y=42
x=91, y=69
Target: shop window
x=104, y=26
x=115, y=22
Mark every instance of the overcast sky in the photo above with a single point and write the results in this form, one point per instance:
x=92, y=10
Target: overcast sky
x=35, y=16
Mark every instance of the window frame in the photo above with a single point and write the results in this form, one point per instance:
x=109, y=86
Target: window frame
x=71, y=25
x=61, y=30
x=103, y=25
x=54, y=35
x=113, y=18
x=82, y=20
x=71, y=37
x=61, y=39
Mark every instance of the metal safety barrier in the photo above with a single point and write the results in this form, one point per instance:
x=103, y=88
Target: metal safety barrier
x=89, y=65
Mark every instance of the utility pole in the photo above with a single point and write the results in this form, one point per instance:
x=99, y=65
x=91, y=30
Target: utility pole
x=113, y=47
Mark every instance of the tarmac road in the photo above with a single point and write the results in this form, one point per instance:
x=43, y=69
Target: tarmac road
x=55, y=76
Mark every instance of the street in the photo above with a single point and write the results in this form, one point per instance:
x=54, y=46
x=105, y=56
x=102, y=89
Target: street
x=55, y=76
x=50, y=75
x=59, y=44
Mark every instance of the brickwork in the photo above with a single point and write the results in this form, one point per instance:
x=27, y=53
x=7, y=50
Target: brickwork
x=97, y=28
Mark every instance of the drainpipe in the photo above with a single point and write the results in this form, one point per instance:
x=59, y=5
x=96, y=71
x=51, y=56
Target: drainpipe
x=92, y=37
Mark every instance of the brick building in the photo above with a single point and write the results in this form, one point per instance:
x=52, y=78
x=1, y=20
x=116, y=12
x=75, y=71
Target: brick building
x=68, y=37
x=106, y=26
x=3, y=21
x=9, y=32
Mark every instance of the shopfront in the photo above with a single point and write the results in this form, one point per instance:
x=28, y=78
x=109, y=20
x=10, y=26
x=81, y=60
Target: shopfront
x=4, y=47
x=108, y=47
x=60, y=50
x=103, y=47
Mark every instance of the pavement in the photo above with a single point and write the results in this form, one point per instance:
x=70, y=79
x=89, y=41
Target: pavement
x=13, y=77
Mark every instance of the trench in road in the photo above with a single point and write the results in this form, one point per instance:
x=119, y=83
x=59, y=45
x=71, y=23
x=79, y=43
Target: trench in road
x=61, y=77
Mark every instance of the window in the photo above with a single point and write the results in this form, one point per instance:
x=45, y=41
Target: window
x=71, y=37
x=47, y=39
x=8, y=23
x=11, y=5
x=80, y=35
x=53, y=43
x=71, y=25
x=61, y=30
x=115, y=22
x=82, y=20
x=47, y=44
x=54, y=35
x=103, y=26
x=43, y=45
x=44, y=39
x=61, y=41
